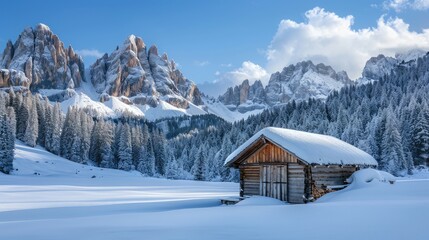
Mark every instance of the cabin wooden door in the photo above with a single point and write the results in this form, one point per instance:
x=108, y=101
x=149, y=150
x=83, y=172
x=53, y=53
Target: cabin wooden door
x=274, y=181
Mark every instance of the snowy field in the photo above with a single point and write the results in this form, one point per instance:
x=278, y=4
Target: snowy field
x=63, y=201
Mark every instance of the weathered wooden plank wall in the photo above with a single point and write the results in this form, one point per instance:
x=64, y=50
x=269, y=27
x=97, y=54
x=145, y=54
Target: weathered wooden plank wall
x=251, y=179
x=329, y=176
x=295, y=182
x=270, y=153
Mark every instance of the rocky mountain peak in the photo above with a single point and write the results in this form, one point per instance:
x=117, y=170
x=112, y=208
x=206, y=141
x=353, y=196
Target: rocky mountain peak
x=380, y=66
x=153, y=50
x=132, y=71
x=40, y=59
x=298, y=82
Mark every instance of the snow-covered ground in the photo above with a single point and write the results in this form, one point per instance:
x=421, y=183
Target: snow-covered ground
x=60, y=204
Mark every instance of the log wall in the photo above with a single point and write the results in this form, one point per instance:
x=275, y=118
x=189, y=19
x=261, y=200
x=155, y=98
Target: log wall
x=330, y=176
x=251, y=180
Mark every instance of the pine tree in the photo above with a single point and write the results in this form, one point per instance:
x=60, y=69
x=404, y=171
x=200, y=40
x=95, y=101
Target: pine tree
x=159, y=148
x=392, y=155
x=85, y=133
x=146, y=163
x=106, y=140
x=32, y=128
x=41, y=120
x=421, y=136
x=7, y=139
x=22, y=116
x=125, y=149
x=56, y=129
x=198, y=170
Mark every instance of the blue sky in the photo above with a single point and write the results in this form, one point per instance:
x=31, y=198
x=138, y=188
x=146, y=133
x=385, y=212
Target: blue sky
x=204, y=37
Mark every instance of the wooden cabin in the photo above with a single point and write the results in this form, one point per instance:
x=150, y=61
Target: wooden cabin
x=295, y=166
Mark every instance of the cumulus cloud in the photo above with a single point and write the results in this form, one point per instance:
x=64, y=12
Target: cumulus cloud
x=89, y=53
x=399, y=5
x=248, y=70
x=328, y=38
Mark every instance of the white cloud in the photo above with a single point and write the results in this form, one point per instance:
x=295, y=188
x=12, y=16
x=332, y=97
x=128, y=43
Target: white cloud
x=201, y=63
x=399, y=5
x=89, y=53
x=328, y=38
x=248, y=70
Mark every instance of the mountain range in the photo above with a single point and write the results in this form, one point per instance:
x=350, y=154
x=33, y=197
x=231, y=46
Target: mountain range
x=135, y=79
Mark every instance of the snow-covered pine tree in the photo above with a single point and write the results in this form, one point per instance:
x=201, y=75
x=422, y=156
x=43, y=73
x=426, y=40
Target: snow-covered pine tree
x=85, y=128
x=198, y=170
x=56, y=125
x=420, y=135
x=159, y=148
x=125, y=149
x=106, y=140
x=32, y=129
x=173, y=170
x=7, y=139
x=146, y=163
x=76, y=137
x=392, y=155
x=11, y=119
x=48, y=125
x=22, y=115
x=41, y=120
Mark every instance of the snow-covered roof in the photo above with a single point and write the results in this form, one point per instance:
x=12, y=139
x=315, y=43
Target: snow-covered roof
x=311, y=148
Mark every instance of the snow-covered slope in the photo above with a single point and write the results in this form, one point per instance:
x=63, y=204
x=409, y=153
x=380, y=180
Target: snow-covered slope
x=57, y=207
x=39, y=162
x=219, y=109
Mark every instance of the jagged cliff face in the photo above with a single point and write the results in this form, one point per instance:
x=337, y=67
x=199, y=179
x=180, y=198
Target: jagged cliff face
x=133, y=71
x=245, y=97
x=376, y=67
x=381, y=66
x=302, y=81
x=296, y=82
x=38, y=59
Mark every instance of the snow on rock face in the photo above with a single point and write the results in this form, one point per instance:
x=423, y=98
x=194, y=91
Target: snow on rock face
x=42, y=57
x=302, y=81
x=377, y=67
x=296, y=82
x=132, y=71
x=324, y=149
